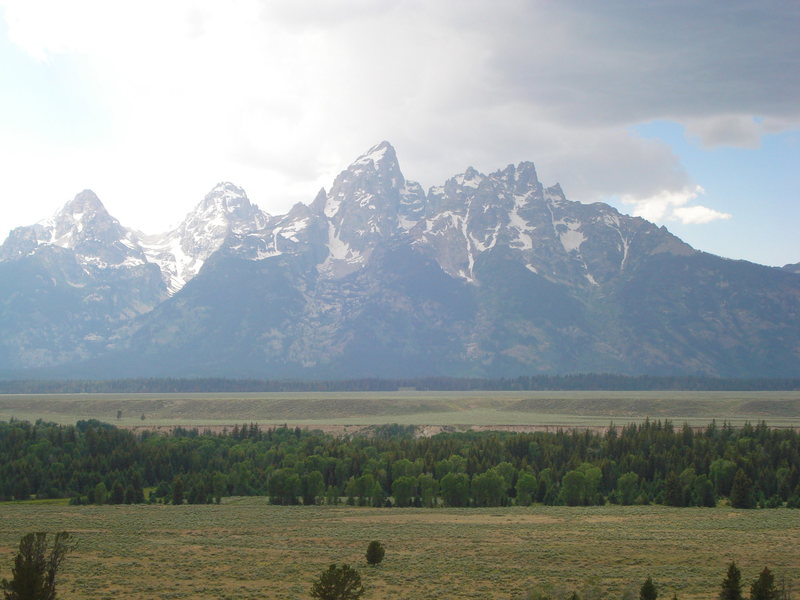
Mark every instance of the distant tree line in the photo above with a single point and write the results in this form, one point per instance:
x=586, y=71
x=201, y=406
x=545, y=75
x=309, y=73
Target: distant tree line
x=585, y=381
x=652, y=462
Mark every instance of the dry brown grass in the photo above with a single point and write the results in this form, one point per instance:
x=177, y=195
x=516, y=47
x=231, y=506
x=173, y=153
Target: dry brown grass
x=247, y=548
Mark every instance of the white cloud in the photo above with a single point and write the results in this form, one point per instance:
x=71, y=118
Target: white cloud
x=669, y=205
x=698, y=215
x=278, y=96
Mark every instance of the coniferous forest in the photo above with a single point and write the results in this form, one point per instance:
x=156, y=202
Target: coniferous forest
x=653, y=462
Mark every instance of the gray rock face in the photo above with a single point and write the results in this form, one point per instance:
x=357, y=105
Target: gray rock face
x=486, y=275
x=181, y=253
x=70, y=284
x=795, y=268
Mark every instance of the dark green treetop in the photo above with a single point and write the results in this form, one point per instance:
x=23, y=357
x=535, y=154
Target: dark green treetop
x=375, y=552
x=34, y=572
x=732, y=584
x=648, y=590
x=338, y=583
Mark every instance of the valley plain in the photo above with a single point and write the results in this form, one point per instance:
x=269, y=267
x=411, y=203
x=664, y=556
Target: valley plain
x=549, y=409
x=247, y=548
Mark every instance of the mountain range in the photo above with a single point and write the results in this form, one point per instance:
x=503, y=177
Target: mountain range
x=486, y=275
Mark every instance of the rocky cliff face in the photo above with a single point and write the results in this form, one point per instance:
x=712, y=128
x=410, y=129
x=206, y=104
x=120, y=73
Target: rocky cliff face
x=486, y=275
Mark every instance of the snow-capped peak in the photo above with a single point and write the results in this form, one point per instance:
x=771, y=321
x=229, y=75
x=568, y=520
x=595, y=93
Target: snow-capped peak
x=85, y=203
x=79, y=218
x=377, y=154
x=226, y=198
x=182, y=252
x=83, y=224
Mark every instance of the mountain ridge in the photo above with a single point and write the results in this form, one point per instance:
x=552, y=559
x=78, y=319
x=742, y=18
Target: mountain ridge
x=484, y=275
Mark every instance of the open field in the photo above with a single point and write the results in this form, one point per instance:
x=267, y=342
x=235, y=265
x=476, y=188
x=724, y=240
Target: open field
x=246, y=548
x=568, y=409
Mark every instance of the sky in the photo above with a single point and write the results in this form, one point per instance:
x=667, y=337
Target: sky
x=686, y=113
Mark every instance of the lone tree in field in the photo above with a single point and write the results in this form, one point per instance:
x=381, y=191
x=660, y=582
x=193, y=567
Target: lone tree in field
x=648, y=590
x=375, y=552
x=732, y=584
x=338, y=583
x=764, y=588
x=35, y=570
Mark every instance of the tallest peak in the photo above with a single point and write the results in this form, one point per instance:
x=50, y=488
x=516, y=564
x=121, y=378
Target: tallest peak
x=86, y=201
x=377, y=154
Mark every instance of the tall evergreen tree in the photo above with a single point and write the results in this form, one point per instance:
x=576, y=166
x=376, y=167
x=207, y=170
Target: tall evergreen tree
x=35, y=570
x=177, y=490
x=117, y=493
x=742, y=491
x=648, y=590
x=764, y=588
x=732, y=584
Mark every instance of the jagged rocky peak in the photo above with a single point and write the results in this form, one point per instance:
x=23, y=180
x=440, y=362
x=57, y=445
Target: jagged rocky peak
x=85, y=203
x=373, y=182
x=84, y=218
x=379, y=156
x=362, y=209
x=181, y=253
x=228, y=204
x=84, y=226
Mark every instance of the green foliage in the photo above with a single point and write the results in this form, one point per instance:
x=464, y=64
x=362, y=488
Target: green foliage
x=732, y=584
x=673, y=491
x=313, y=487
x=489, y=488
x=627, y=488
x=764, y=588
x=648, y=590
x=35, y=570
x=375, y=552
x=454, y=488
x=703, y=492
x=284, y=486
x=428, y=490
x=338, y=583
x=722, y=472
x=742, y=491
x=177, y=490
x=403, y=489
x=632, y=465
x=573, y=488
x=526, y=488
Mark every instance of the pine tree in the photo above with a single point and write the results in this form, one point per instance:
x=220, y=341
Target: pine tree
x=764, y=588
x=742, y=491
x=732, y=584
x=34, y=572
x=117, y=493
x=177, y=490
x=648, y=590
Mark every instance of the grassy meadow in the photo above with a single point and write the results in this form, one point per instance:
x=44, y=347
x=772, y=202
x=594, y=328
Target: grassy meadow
x=550, y=409
x=247, y=548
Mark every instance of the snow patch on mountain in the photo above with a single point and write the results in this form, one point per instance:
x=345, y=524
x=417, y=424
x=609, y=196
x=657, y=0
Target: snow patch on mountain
x=182, y=252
